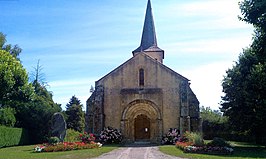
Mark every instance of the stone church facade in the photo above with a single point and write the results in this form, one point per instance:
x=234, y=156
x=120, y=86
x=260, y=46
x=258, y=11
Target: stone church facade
x=142, y=97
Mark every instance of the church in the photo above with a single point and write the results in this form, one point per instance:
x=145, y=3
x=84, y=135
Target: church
x=142, y=97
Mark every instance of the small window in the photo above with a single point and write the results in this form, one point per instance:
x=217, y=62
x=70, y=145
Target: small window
x=141, y=77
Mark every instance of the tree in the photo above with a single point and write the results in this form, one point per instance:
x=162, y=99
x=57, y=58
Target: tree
x=38, y=76
x=7, y=117
x=244, y=85
x=75, y=115
x=31, y=103
x=13, y=50
x=13, y=81
x=214, y=124
x=36, y=115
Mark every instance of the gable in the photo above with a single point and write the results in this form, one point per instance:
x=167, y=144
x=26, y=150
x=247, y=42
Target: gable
x=139, y=61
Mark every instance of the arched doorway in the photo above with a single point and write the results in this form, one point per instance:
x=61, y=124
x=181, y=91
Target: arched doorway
x=142, y=127
x=137, y=116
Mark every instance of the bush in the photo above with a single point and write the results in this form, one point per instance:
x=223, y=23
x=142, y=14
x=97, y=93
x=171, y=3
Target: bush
x=53, y=140
x=72, y=135
x=13, y=136
x=110, y=135
x=195, y=138
x=7, y=117
x=219, y=142
x=86, y=138
x=171, y=137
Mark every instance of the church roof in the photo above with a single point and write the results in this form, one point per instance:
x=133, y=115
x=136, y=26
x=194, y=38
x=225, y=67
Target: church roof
x=148, y=40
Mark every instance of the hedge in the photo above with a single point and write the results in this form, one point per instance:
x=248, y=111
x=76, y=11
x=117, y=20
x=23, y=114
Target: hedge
x=13, y=136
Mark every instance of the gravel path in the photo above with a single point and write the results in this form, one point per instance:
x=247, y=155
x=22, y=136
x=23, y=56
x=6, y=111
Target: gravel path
x=136, y=153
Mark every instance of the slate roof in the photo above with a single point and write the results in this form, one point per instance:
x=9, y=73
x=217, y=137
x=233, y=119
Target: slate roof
x=148, y=40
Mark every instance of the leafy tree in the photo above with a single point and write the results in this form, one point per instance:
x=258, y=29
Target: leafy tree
x=36, y=115
x=75, y=115
x=13, y=50
x=214, y=124
x=7, y=117
x=13, y=81
x=245, y=84
x=32, y=103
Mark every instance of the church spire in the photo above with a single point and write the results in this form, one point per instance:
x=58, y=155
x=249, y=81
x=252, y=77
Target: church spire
x=148, y=41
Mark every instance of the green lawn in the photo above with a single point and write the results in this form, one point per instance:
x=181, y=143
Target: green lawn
x=241, y=150
x=20, y=152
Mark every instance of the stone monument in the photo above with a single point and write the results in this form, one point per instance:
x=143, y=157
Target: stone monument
x=59, y=126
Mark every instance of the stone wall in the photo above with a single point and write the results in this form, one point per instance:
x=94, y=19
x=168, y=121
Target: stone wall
x=95, y=117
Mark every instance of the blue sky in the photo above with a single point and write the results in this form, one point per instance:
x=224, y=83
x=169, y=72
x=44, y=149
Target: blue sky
x=78, y=42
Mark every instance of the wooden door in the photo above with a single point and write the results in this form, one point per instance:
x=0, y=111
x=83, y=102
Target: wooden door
x=142, y=127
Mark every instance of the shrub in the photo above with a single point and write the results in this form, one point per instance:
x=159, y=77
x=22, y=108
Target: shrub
x=72, y=135
x=7, y=117
x=110, y=135
x=86, y=137
x=195, y=138
x=53, y=140
x=219, y=142
x=13, y=136
x=171, y=137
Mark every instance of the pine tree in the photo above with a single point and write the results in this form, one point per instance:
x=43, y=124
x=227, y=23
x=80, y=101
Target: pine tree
x=75, y=115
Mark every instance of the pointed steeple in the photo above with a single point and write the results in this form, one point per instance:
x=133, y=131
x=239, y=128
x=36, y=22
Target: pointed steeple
x=148, y=41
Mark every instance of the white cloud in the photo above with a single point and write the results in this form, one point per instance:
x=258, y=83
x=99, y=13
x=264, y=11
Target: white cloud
x=63, y=90
x=230, y=45
x=208, y=14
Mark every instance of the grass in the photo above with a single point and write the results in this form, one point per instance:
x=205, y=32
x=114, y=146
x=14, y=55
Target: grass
x=241, y=150
x=25, y=152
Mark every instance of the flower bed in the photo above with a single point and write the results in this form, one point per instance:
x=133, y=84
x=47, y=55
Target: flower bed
x=53, y=145
x=193, y=143
x=190, y=148
x=66, y=146
x=208, y=150
x=182, y=145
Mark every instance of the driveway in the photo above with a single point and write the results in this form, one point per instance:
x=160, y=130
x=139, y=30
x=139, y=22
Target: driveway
x=151, y=152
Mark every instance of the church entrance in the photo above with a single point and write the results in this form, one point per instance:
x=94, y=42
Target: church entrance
x=142, y=127
x=141, y=121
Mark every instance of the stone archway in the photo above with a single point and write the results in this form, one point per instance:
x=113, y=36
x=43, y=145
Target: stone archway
x=141, y=111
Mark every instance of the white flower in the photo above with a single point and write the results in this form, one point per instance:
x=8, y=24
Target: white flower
x=39, y=148
x=99, y=144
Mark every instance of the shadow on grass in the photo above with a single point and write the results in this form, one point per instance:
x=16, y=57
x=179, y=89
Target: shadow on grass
x=249, y=152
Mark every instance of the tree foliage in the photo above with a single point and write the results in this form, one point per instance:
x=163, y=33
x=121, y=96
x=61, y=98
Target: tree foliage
x=13, y=50
x=245, y=84
x=32, y=104
x=75, y=115
x=13, y=80
x=214, y=124
x=7, y=117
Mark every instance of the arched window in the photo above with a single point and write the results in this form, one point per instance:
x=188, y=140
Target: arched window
x=141, y=77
